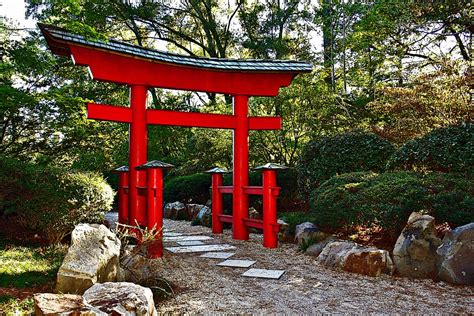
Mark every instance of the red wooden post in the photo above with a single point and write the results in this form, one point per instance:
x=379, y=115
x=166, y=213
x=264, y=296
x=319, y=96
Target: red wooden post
x=217, y=202
x=154, y=196
x=270, y=238
x=137, y=154
x=270, y=194
x=241, y=166
x=122, y=194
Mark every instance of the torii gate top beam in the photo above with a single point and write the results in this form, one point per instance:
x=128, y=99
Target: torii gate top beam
x=119, y=62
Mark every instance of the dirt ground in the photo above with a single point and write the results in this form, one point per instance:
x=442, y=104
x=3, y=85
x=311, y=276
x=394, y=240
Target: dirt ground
x=306, y=287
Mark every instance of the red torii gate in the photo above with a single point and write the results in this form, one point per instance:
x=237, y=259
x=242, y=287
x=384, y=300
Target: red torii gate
x=142, y=68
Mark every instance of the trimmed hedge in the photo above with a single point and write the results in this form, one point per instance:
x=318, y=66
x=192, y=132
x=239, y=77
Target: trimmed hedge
x=195, y=188
x=353, y=151
x=449, y=149
x=387, y=199
x=52, y=200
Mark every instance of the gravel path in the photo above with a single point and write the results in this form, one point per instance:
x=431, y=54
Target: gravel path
x=306, y=287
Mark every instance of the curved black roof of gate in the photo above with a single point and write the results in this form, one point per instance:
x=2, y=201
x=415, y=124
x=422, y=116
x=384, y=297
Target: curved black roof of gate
x=58, y=40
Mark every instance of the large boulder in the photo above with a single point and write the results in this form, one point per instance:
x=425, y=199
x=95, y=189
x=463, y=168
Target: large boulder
x=456, y=256
x=306, y=232
x=92, y=257
x=175, y=210
x=415, y=250
x=48, y=304
x=355, y=258
x=121, y=298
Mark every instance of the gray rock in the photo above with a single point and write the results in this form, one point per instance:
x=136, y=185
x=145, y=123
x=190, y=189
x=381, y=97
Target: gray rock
x=135, y=267
x=284, y=233
x=205, y=216
x=316, y=249
x=48, y=304
x=306, y=231
x=415, y=250
x=456, y=256
x=193, y=210
x=175, y=210
x=254, y=214
x=121, y=298
x=355, y=258
x=92, y=257
x=110, y=220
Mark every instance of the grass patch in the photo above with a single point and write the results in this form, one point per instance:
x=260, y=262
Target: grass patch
x=14, y=307
x=22, y=267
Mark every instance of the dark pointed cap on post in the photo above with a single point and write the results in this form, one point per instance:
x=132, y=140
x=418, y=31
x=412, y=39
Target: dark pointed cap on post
x=155, y=164
x=120, y=169
x=216, y=170
x=271, y=166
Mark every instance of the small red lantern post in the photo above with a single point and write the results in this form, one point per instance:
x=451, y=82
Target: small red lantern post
x=154, y=198
x=123, y=191
x=217, y=201
x=270, y=194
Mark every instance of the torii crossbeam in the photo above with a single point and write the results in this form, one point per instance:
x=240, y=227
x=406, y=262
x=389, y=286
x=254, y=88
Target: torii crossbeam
x=141, y=69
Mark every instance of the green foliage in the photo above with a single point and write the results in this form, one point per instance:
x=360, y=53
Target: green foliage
x=11, y=306
x=325, y=157
x=295, y=218
x=52, y=200
x=387, y=199
x=192, y=188
x=449, y=149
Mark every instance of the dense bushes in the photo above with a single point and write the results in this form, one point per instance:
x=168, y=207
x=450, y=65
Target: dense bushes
x=52, y=200
x=346, y=152
x=195, y=188
x=387, y=199
x=192, y=188
x=449, y=149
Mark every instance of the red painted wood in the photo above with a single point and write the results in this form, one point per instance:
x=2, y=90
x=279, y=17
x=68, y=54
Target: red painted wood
x=155, y=210
x=137, y=155
x=217, y=204
x=255, y=223
x=240, y=175
x=226, y=219
x=270, y=237
x=122, y=114
x=226, y=189
x=253, y=190
x=113, y=67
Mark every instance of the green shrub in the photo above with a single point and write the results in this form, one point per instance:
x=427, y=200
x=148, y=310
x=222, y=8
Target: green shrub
x=387, y=199
x=192, y=188
x=354, y=151
x=295, y=218
x=52, y=200
x=449, y=149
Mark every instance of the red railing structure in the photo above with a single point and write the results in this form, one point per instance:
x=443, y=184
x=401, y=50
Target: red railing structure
x=154, y=204
x=269, y=192
x=122, y=193
x=142, y=69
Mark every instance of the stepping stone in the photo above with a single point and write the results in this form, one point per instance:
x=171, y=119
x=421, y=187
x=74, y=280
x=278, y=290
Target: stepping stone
x=190, y=243
x=170, y=234
x=218, y=255
x=263, y=273
x=203, y=248
x=236, y=263
x=186, y=238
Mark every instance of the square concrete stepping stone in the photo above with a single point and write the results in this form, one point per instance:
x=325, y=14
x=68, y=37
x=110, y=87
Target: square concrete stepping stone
x=186, y=238
x=263, y=273
x=202, y=248
x=236, y=263
x=171, y=234
x=190, y=243
x=218, y=255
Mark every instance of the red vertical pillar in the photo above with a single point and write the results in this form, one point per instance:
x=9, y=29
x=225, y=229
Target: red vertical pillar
x=270, y=238
x=217, y=204
x=123, y=198
x=154, y=210
x=241, y=168
x=137, y=154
